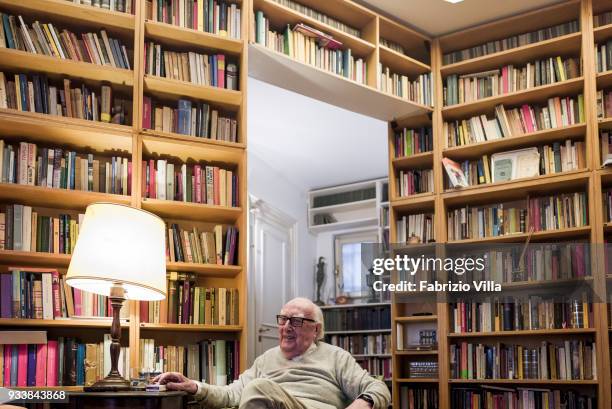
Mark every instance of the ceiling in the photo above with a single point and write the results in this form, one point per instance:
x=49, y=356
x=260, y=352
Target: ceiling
x=437, y=17
x=311, y=143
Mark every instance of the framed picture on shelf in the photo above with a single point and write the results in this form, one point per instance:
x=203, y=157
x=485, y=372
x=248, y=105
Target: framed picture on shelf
x=518, y=164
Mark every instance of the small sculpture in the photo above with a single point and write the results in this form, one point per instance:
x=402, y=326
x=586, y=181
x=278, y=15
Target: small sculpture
x=320, y=278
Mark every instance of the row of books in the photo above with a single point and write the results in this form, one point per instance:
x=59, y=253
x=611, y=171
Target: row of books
x=519, y=314
x=211, y=16
x=361, y=344
x=511, y=42
x=555, y=158
x=22, y=228
x=323, y=18
x=604, y=104
x=408, y=142
x=418, y=91
x=42, y=293
x=392, y=45
x=199, y=69
x=423, y=369
x=194, y=183
x=46, y=39
x=412, y=182
x=306, y=49
x=419, y=225
x=495, y=397
x=416, y=336
x=602, y=19
x=61, y=362
x=419, y=398
x=29, y=164
x=358, y=318
x=207, y=247
x=558, y=112
x=189, y=118
x=558, y=212
x=34, y=93
x=215, y=362
x=472, y=87
x=380, y=367
x=190, y=304
x=122, y=6
x=603, y=56
x=569, y=360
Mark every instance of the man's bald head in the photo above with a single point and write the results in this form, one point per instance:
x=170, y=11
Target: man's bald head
x=313, y=310
x=296, y=338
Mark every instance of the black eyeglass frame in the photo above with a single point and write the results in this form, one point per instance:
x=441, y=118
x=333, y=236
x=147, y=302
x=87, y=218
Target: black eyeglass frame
x=294, y=321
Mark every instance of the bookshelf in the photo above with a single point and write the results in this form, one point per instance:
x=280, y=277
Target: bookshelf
x=138, y=144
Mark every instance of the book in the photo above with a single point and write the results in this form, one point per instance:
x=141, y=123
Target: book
x=455, y=173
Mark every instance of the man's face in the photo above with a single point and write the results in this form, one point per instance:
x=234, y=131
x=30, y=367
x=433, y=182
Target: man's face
x=295, y=341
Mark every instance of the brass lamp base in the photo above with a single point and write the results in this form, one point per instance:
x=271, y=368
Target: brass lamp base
x=112, y=383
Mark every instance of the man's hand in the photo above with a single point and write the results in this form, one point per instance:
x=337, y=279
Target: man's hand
x=359, y=404
x=175, y=381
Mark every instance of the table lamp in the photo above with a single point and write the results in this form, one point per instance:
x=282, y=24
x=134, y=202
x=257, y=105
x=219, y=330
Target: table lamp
x=120, y=253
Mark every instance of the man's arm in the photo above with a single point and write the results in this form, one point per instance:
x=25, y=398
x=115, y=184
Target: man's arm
x=354, y=381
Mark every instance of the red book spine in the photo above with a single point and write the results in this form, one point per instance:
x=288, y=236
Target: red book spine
x=144, y=186
x=146, y=112
x=77, y=302
x=221, y=71
x=129, y=176
x=152, y=190
x=216, y=187
x=7, y=364
x=52, y=363
x=144, y=311
x=41, y=363
x=22, y=365
x=55, y=282
x=198, y=183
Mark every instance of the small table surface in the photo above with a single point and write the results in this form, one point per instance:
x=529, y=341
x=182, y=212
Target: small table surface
x=128, y=394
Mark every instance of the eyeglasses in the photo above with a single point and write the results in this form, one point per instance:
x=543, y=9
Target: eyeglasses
x=295, y=321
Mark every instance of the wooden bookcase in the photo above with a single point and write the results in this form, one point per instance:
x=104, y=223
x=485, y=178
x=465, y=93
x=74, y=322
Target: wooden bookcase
x=138, y=144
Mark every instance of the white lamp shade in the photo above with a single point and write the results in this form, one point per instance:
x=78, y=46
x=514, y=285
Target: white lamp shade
x=120, y=244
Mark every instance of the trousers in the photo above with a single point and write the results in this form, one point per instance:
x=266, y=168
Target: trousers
x=265, y=394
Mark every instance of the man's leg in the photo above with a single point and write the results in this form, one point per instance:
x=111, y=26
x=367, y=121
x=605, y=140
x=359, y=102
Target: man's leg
x=266, y=394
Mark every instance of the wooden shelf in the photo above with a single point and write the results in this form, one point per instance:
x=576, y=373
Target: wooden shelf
x=404, y=352
x=171, y=136
x=193, y=211
x=513, y=189
x=526, y=381
x=604, y=79
x=21, y=61
x=602, y=33
x=76, y=13
x=524, y=333
x=402, y=64
x=414, y=203
x=476, y=150
x=208, y=270
x=418, y=160
x=32, y=258
x=558, y=234
x=281, y=70
x=360, y=331
x=190, y=327
x=167, y=88
x=416, y=380
x=60, y=198
x=605, y=123
x=280, y=16
x=526, y=96
x=563, y=45
x=374, y=304
x=356, y=356
x=188, y=150
x=607, y=227
x=417, y=318
x=104, y=323
x=544, y=284
x=179, y=36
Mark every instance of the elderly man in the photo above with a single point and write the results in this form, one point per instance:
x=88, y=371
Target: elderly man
x=301, y=373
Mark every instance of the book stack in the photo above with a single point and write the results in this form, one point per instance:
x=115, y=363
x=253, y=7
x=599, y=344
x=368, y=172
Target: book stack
x=602, y=19
x=39, y=293
x=418, y=91
x=194, y=183
x=45, y=39
x=122, y=6
x=215, y=362
x=207, y=247
x=558, y=112
x=306, y=49
x=359, y=318
x=191, y=304
x=374, y=344
x=35, y=93
x=419, y=398
x=409, y=142
x=464, y=88
x=376, y=366
x=392, y=45
x=420, y=226
x=412, y=182
x=422, y=369
x=485, y=396
x=216, y=17
x=533, y=313
x=558, y=211
x=199, y=69
x=61, y=362
x=29, y=164
x=604, y=104
x=603, y=56
x=485, y=221
x=23, y=229
x=568, y=360
x=512, y=42
x=189, y=118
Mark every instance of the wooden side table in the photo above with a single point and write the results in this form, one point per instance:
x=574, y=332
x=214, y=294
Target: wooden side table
x=127, y=400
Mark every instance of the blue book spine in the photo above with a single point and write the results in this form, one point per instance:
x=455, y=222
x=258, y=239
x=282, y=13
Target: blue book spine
x=72, y=170
x=23, y=84
x=213, y=64
x=7, y=31
x=112, y=181
x=31, y=378
x=14, y=359
x=184, y=116
x=80, y=364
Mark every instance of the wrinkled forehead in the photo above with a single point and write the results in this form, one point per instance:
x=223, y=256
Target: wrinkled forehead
x=297, y=310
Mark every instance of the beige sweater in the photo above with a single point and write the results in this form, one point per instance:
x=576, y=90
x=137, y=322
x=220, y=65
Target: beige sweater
x=324, y=377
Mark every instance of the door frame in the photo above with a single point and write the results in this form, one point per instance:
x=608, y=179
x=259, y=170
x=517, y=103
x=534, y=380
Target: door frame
x=260, y=209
